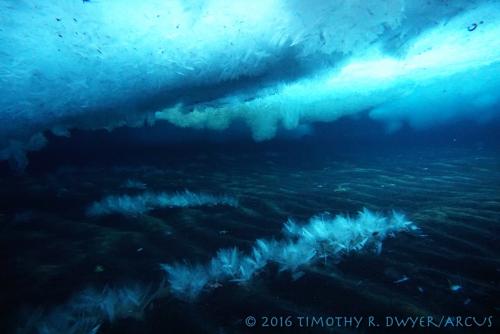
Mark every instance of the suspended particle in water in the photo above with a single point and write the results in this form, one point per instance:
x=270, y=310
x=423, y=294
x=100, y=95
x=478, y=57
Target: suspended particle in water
x=472, y=27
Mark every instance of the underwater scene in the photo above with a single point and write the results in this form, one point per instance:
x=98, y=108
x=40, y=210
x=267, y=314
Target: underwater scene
x=264, y=166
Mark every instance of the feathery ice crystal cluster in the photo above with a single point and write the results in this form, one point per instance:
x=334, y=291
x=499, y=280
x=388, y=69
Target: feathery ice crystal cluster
x=140, y=204
x=303, y=245
x=89, y=309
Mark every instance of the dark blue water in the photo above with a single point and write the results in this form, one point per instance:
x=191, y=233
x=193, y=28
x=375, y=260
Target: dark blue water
x=446, y=180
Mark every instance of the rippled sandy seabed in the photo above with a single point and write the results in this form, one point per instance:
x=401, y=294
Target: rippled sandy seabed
x=53, y=250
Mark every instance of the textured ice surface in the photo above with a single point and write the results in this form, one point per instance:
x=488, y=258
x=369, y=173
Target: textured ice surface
x=322, y=238
x=101, y=64
x=447, y=72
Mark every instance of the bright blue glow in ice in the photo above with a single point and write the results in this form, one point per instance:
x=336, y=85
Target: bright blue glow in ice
x=446, y=73
x=272, y=64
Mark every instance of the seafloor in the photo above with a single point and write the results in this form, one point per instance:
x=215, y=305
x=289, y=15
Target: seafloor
x=51, y=249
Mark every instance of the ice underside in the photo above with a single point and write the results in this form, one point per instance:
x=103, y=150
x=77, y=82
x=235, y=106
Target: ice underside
x=269, y=64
